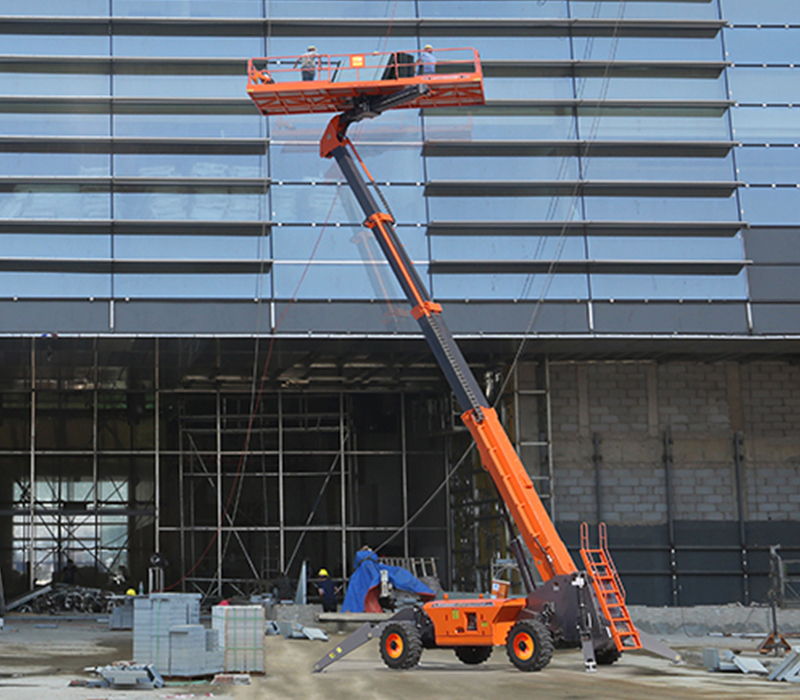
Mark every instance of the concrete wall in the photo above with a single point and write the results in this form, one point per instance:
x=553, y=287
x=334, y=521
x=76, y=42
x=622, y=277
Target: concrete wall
x=610, y=422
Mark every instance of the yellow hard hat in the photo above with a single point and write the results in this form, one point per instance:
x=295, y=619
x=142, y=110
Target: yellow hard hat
x=130, y=591
x=427, y=47
x=323, y=572
x=311, y=48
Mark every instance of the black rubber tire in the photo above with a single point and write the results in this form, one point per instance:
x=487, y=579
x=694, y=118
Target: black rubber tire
x=607, y=655
x=401, y=645
x=529, y=645
x=473, y=655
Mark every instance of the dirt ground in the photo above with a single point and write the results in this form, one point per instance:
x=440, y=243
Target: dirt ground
x=39, y=656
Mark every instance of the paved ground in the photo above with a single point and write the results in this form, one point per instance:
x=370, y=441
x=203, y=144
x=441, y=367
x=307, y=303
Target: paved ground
x=37, y=661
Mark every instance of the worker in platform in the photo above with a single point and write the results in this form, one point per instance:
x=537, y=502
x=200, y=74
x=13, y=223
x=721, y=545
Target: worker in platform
x=427, y=60
x=308, y=63
x=327, y=590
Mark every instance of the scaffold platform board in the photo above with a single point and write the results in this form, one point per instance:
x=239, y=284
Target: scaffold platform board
x=334, y=82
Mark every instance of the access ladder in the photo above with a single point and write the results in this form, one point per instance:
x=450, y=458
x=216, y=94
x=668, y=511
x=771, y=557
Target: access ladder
x=608, y=587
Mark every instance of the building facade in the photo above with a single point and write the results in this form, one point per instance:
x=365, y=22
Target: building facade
x=206, y=356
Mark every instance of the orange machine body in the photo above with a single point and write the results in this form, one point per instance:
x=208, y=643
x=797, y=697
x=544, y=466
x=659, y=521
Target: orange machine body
x=276, y=87
x=474, y=622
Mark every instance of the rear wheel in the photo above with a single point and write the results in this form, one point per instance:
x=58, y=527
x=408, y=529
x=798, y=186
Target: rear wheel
x=607, y=655
x=529, y=645
x=401, y=646
x=473, y=655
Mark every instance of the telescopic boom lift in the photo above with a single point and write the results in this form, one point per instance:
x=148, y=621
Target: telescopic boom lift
x=575, y=608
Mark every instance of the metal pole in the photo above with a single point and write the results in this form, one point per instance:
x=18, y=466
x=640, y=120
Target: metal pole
x=673, y=555
x=219, y=495
x=404, y=466
x=597, y=458
x=342, y=482
x=157, y=456
x=281, y=508
x=32, y=473
x=95, y=475
x=737, y=460
x=549, y=418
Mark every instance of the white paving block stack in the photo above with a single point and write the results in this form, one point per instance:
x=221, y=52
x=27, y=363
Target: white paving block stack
x=153, y=618
x=193, y=651
x=241, y=636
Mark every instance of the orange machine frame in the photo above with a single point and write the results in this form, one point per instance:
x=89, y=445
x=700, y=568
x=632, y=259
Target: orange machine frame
x=275, y=86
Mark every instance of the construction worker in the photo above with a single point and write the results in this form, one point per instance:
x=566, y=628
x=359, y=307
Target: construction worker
x=327, y=591
x=427, y=60
x=308, y=63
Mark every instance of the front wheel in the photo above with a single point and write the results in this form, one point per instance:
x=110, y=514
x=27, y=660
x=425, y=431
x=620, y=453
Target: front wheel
x=401, y=645
x=473, y=655
x=529, y=645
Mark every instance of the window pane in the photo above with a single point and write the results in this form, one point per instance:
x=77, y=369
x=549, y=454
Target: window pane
x=762, y=45
x=507, y=248
x=194, y=286
x=528, y=89
x=656, y=209
x=768, y=205
x=54, y=205
x=55, y=246
x=205, y=46
x=659, y=128
x=765, y=85
x=21, y=124
x=769, y=165
x=43, y=44
x=766, y=125
x=45, y=84
x=400, y=125
x=54, y=164
x=190, y=125
x=472, y=286
x=647, y=48
x=659, y=168
x=54, y=8
x=476, y=127
x=211, y=206
x=503, y=208
x=482, y=8
x=643, y=10
x=669, y=286
x=761, y=12
x=200, y=86
x=508, y=47
x=497, y=168
x=300, y=243
x=390, y=162
x=338, y=281
x=678, y=248
x=189, y=8
x=650, y=89
x=163, y=247
x=39, y=285
x=189, y=165
x=341, y=8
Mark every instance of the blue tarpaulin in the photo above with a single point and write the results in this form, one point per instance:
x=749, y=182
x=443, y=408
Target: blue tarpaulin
x=362, y=592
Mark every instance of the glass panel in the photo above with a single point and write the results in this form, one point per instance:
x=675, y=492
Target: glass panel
x=676, y=127
x=643, y=10
x=54, y=205
x=507, y=47
x=502, y=208
x=768, y=205
x=475, y=127
x=669, y=286
x=21, y=124
x=769, y=165
x=205, y=46
x=54, y=8
x=659, y=168
x=500, y=168
x=761, y=45
x=299, y=244
x=211, y=206
x=45, y=44
x=528, y=89
x=236, y=286
x=507, y=248
x=390, y=162
x=482, y=8
x=647, y=48
x=761, y=12
x=342, y=8
x=661, y=209
x=338, y=281
x=401, y=125
x=457, y=287
x=54, y=164
x=188, y=8
x=650, y=89
x=163, y=247
x=678, y=248
x=766, y=125
x=39, y=285
x=306, y=203
x=55, y=245
x=190, y=125
x=765, y=85
x=200, y=86
x=190, y=165
x=53, y=85
x=295, y=46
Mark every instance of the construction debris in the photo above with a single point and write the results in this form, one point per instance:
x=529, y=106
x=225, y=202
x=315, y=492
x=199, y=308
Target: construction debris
x=725, y=660
x=124, y=675
x=231, y=679
x=788, y=669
